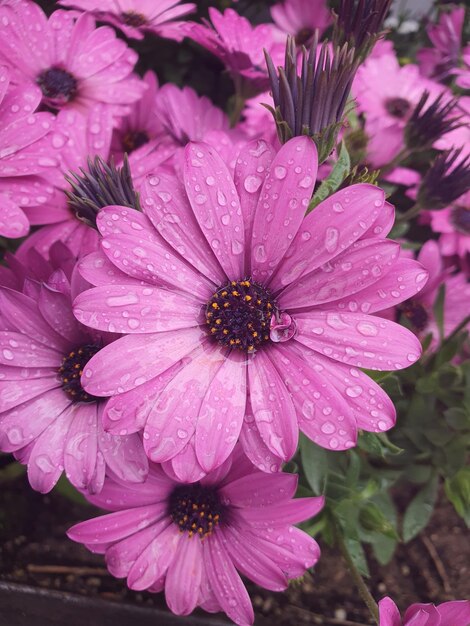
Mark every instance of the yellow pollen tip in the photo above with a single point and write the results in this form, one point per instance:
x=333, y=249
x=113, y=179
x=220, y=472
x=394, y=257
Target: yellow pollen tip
x=215, y=305
x=235, y=293
x=248, y=298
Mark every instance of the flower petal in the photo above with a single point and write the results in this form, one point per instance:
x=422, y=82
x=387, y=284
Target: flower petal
x=166, y=204
x=98, y=270
x=362, y=265
x=358, y=339
x=272, y=406
x=259, y=490
x=183, y=579
x=13, y=221
x=155, y=560
x=291, y=512
x=389, y=613
x=172, y=420
x=18, y=391
x=282, y=204
x=20, y=350
x=329, y=230
x=221, y=413
x=136, y=309
x=81, y=445
x=216, y=205
x=226, y=583
x=134, y=359
x=255, y=448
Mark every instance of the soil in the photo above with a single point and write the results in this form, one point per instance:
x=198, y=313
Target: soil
x=34, y=551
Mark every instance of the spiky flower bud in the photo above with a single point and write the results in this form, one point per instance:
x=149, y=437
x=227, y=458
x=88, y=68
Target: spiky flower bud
x=429, y=122
x=313, y=103
x=359, y=24
x=102, y=185
x=447, y=179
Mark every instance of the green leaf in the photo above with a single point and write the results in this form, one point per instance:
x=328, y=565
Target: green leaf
x=373, y=519
x=357, y=554
x=384, y=548
x=315, y=464
x=419, y=512
x=457, y=490
x=332, y=183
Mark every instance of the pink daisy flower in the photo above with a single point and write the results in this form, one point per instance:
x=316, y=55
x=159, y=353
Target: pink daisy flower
x=454, y=224
x=419, y=310
x=75, y=64
x=75, y=138
x=239, y=45
x=301, y=18
x=241, y=317
x=455, y=613
x=20, y=130
x=446, y=36
x=190, y=540
x=136, y=17
x=392, y=104
x=46, y=418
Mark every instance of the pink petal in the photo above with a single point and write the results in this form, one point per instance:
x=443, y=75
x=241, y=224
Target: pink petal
x=136, y=309
x=127, y=412
x=454, y=613
x=155, y=560
x=251, y=561
x=221, y=413
x=154, y=264
x=424, y=615
x=407, y=278
x=352, y=211
x=291, y=512
x=172, y=420
x=56, y=309
x=255, y=448
x=371, y=408
x=99, y=271
x=18, y=391
x=282, y=204
x=81, y=445
x=216, y=205
x=183, y=579
x=46, y=461
x=125, y=456
x=383, y=224
x=185, y=467
x=13, y=221
x=259, y=489
x=253, y=162
x=389, y=613
x=293, y=551
x=323, y=415
x=272, y=406
x=226, y=583
x=118, y=525
x=23, y=314
x=18, y=429
x=134, y=359
x=166, y=204
x=362, y=265
x=121, y=556
x=20, y=350
x=358, y=339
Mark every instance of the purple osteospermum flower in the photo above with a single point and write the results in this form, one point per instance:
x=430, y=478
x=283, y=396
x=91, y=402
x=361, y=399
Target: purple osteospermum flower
x=75, y=138
x=46, y=418
x=300, y=18
x=135, y=17
x=21, y=191
x=456, y=613
x=244, y=317
x=239, y=45
x=75, y=64
x=190, y=540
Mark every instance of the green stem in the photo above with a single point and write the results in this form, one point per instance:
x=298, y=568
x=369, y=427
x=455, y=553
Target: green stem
x=355, y=574
x=409, y=215
x=238, y=101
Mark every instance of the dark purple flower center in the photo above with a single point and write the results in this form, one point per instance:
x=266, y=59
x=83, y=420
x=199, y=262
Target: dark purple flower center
x=57, y=85
x=304, y=36
x=460, y=217
x=71, y=370
x=134, y=139
x=195, y=509
x=238, y=315
x=131, y=18
x=398, y=107
x=415, y=313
